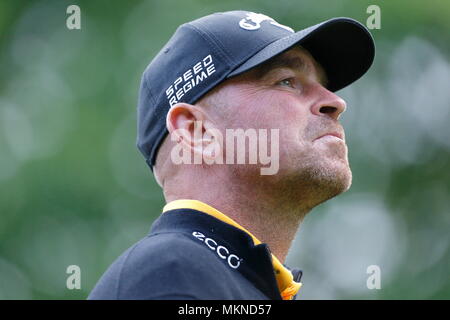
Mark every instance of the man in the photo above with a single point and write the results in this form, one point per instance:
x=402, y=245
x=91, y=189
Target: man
x=227, y=226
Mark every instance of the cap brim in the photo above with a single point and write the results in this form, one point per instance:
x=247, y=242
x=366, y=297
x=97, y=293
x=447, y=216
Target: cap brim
x=343, y=47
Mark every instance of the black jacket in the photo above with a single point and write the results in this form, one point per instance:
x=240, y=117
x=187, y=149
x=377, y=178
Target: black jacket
x=189, y=254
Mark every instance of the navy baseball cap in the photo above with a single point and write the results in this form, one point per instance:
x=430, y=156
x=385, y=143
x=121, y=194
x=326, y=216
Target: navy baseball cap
x=204, y=52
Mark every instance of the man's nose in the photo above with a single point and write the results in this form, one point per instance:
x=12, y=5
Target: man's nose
x=328, y=104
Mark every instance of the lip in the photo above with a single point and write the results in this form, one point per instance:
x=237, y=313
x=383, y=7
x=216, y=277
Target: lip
x=333, y=134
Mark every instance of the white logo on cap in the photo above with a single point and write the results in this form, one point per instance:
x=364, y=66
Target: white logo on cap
x=190, y=79
x=253, y=22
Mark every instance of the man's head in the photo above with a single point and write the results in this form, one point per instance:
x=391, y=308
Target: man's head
x=288, y=93
x=281, y=81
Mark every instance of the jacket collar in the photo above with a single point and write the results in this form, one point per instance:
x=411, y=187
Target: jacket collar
x=287, y=285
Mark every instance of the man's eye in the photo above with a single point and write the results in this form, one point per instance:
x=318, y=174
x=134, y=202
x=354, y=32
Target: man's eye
x=287, y=82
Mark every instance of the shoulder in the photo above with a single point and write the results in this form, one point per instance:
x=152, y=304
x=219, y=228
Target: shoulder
x=168, y=253
x=165, y=265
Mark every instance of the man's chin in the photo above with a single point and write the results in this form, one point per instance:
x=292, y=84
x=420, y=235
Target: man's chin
x=334, y=179
x=319, y=183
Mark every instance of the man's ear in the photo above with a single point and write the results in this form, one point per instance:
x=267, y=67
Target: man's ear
x=187, y=125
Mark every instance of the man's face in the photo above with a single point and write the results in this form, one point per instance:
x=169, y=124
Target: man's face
x=289, y=93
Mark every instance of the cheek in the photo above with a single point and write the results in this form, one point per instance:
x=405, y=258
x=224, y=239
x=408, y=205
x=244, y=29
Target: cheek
x=269, y=109
x=256, y=110
x=283, y=111
x=292, y=117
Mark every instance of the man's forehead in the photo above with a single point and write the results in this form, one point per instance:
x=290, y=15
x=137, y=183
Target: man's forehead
x=298, y=59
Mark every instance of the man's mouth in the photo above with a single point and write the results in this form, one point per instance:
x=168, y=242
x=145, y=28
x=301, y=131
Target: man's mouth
x=331, y=135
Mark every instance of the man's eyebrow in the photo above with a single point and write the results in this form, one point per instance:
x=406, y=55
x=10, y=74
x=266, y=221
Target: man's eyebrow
x=295, y=63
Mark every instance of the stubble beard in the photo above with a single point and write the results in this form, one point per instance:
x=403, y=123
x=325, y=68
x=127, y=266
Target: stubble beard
x=316, y=175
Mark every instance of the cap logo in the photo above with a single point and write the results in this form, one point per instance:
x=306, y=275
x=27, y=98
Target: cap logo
x=189, y=79
x=253, y=21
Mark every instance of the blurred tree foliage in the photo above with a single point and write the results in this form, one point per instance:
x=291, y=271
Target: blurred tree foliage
x=75, y=190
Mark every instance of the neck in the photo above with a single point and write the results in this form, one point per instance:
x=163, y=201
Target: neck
x=272, y=218
x=269, y=223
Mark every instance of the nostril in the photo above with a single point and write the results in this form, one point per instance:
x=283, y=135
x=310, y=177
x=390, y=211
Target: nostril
x=328, y=109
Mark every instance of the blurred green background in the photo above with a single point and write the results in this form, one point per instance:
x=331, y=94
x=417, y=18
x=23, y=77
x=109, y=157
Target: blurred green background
x=74, y=189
